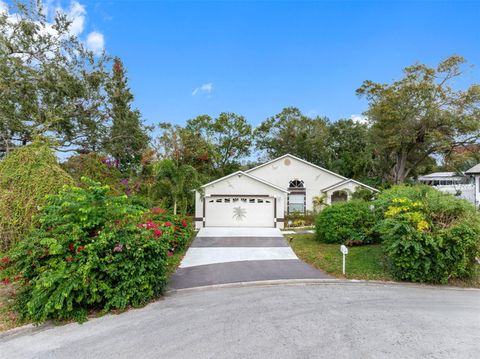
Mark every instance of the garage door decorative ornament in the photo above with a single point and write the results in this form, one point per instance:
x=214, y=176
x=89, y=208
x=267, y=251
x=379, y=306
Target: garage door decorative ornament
x=239, y=213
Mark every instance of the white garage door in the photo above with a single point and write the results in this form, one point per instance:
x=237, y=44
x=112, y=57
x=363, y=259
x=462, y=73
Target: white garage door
x=239, y=211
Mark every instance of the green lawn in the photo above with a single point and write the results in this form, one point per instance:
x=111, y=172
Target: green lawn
x=363, y=262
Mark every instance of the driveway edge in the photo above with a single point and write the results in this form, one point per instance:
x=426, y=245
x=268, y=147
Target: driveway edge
x=266, y=283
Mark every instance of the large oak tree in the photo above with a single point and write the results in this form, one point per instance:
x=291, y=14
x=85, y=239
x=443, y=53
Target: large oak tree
x=421, y=115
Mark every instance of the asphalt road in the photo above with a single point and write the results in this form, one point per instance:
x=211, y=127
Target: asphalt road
x=328, y=320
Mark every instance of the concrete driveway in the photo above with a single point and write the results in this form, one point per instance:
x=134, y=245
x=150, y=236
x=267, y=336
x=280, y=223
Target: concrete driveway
x=232, y=255
x=324, y=320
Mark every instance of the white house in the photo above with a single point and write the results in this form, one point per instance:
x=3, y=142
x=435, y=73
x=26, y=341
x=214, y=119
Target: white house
x=475, y=173
x=261, y=196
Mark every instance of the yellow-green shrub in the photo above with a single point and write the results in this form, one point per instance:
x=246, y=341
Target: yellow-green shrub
x=27, y=175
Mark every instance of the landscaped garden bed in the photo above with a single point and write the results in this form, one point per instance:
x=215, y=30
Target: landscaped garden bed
x=409, y=233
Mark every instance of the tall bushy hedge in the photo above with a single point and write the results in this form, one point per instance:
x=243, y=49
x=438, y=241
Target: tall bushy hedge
x=429, y=236
x=345, y=221
x=92, y=251
x=27, y=175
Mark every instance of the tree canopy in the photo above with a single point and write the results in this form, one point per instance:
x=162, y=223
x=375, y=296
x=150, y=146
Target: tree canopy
x=50, y=84
x=421, y=115
x=128, y=137
x=290, y=131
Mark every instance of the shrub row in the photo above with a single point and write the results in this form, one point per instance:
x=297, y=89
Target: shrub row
x=92, y=250
x=429, y=236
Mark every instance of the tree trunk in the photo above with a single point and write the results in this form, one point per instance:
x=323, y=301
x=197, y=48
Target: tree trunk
x=399, y=171
x=175, y=207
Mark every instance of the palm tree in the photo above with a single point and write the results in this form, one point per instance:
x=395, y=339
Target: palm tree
x=175, y=182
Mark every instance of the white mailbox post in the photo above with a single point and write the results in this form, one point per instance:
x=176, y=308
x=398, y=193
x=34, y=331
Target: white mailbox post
x=344, y=251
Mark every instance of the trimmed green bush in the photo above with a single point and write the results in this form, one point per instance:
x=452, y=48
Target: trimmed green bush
x=92, y=251
x=27, y=175
x=345, y=221
x=430, y=236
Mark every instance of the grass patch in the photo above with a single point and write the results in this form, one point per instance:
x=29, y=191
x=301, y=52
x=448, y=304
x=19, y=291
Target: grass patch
x=363, y=262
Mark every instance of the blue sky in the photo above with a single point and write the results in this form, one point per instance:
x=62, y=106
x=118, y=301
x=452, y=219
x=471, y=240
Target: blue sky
x=254, y=58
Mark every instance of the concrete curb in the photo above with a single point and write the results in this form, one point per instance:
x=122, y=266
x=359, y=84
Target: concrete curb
x=293, y=282
x=26, y=329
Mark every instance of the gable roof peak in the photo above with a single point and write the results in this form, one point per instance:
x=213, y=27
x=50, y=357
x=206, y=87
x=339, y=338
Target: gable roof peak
x=298, y=159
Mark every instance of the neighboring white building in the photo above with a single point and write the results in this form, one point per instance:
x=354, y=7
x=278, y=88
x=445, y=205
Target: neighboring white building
x=261, y=196
x=461, y=185
x=475, y=173
x=443, y=179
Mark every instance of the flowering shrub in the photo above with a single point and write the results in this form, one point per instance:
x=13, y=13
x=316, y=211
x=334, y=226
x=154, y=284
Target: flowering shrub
x=92, y=251
x=427, y=241
x=344, y=222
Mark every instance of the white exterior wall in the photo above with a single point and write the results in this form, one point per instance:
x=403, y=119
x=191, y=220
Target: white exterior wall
x=240, y=185
x=198, y=210
x=280, y=174
x=467, y=190
x=477, y=190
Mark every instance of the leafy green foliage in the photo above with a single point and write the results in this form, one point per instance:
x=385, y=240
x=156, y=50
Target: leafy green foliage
x=93, y=251
x=437, y=204
x=420, y=115
x=229, y=137
x=27, y=175
x=176, y=182
x=51, y=85
x=350, y=152
x=292, y=132
x=185, y=146
x=429, y=236
x=98, y=168
x=128, y=136
x=363, y=194
x=345, y=221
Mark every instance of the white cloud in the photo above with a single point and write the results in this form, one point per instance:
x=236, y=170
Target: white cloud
x=3, y=7
x=95, y=42
x=75, y=12
x=205, y=88
x=359, y=119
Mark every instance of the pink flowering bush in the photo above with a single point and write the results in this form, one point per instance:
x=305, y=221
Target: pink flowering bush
x=92, y=251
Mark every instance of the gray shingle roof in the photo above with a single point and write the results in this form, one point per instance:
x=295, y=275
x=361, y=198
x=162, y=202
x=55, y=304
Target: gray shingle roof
x=474, y=169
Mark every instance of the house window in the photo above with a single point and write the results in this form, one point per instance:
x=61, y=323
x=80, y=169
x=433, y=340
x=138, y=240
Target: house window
x=296, y=184
x=296, y=203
